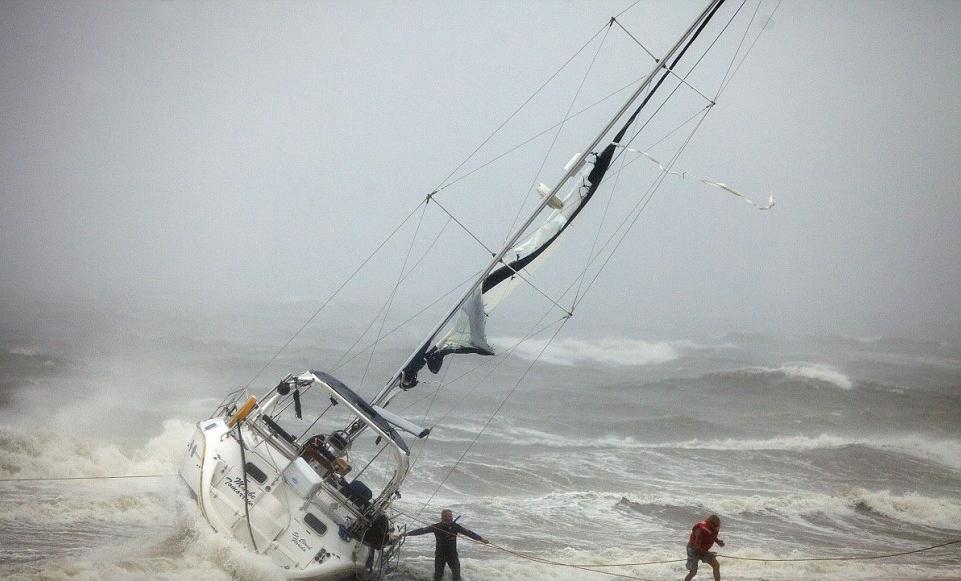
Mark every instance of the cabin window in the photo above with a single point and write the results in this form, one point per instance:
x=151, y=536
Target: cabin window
x=255, y=473
x=315, y=523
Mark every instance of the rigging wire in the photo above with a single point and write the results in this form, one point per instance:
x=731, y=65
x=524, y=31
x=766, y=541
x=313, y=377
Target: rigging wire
x=557, y=133
x=518, y=110
x=496, y=411
x=541, y=133
x=638, y=209
x=597, y=234
x=332, y=295
x=423, y=448
x=621, y=13
x=637, y=132
x=750, y=48
x=492, y=253
x=500, y=361
x=376, y=316
x=411, y=318
x=645, y=199
x=393, y=294
x=739, y=45
x=670, y=71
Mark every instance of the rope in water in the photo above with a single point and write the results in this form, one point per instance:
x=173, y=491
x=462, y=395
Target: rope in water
x=592, y=567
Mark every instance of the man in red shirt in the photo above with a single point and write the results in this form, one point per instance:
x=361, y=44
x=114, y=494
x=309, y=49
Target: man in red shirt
x=703, y=536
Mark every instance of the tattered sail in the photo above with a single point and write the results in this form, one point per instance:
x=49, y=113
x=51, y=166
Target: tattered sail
x=465, y=325
x=467, y=331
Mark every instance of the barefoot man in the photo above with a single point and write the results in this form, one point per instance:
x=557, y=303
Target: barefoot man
x=703, y=536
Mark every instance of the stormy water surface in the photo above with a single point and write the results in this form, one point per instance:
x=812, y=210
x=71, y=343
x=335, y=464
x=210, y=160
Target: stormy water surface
x=607, y=451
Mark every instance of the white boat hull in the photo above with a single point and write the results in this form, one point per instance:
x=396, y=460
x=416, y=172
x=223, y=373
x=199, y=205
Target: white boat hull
x=305, y=538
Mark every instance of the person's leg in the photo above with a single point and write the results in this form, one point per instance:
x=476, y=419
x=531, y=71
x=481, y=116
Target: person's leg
x=454, y=562
x=691, y=564
x=440, y=559
x=716, y=567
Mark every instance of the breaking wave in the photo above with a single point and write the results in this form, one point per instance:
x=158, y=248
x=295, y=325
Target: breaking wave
x=611, y=351
x=944, y=452
x=916, y=509
x=50, y=455
x=817, y=372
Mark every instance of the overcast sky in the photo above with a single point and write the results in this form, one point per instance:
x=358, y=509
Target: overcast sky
x=214, y=153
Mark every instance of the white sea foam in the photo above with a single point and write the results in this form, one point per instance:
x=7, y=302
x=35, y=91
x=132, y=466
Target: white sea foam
x=54, y=455
x=941, y=451
x=610, y=542
x=504, y=567
x=946, y=452
x=816, y=371
x=695, y=346
x=168, y=539
x=610, y=351
x=916, y=509
x=31, y=351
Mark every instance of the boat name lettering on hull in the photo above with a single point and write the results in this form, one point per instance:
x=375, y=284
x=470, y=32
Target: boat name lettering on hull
x=300, y=541
x=237, y=485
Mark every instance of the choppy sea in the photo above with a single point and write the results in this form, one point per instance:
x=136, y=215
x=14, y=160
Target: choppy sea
x=607, y=451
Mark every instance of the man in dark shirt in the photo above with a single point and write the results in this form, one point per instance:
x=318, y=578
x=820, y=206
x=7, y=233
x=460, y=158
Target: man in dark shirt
x=445, y=553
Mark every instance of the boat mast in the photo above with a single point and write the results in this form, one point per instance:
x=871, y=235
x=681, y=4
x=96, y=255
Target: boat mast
x=384, y=396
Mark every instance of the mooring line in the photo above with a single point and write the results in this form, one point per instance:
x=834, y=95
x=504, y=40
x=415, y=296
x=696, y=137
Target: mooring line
x=593, y=567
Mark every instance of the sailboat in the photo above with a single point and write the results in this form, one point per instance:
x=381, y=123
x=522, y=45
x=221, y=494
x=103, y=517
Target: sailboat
x=303, y=500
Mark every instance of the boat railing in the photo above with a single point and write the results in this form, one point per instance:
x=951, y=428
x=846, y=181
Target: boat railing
x=230, y=402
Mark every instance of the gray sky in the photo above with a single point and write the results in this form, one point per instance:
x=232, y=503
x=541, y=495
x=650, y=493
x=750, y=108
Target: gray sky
x=216, y=153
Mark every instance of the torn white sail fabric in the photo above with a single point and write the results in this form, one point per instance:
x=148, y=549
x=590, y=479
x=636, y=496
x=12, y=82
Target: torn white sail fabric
x=468, y=329
x=467, y=333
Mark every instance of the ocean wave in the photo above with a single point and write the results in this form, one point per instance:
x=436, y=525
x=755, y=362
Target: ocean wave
x=46, y=454
x=945, y=452
x=610, y=351
x=507, y=568
x=806, y=371
x=940, y=451
x=187, y=549
x=913, y=508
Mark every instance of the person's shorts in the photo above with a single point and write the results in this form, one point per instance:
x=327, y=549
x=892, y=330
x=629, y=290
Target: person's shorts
x=693, y=557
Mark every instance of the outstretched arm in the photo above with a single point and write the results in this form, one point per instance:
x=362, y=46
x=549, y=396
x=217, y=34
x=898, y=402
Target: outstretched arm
x=421, y=531
x=471, y=534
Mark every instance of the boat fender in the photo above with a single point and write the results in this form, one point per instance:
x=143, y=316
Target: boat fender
x=243, y=412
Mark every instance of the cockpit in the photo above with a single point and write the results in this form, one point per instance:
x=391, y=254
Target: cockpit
x=346, y=439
